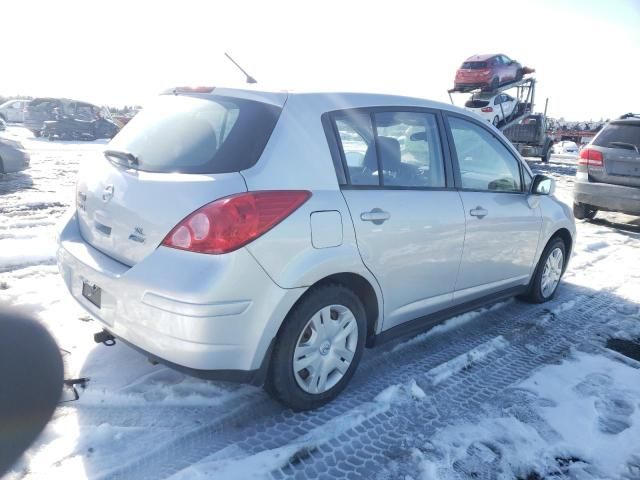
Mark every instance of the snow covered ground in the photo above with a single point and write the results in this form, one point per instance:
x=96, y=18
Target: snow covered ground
x=511, y=391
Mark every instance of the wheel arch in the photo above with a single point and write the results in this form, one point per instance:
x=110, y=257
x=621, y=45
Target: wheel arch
x=363, y=289
x=564, y=235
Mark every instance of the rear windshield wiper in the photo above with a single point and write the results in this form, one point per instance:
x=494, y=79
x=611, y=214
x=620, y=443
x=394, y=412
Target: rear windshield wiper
x=628, y=146
x=130, y=159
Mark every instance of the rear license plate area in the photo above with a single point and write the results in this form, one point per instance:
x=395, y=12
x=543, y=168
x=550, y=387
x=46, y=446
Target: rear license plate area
x=92, y=292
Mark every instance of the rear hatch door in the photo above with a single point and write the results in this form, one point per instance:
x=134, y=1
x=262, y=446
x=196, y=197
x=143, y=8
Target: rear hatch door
x=180, y=153
x=619, y=144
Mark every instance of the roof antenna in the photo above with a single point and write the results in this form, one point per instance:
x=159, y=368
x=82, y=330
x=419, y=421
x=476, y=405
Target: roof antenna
x=250, y=79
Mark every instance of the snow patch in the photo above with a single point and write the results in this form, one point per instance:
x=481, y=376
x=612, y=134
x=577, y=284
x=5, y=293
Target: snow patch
x=455, y=365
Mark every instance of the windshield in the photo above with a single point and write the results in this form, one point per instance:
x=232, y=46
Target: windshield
x=187, y=134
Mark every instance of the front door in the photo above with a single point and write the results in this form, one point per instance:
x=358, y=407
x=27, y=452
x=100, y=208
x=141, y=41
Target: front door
x=408, y=218
x=502, y=227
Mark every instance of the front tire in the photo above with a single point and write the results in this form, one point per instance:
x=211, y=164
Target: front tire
x=584, y=212
x=318, y=348
x=546, y=279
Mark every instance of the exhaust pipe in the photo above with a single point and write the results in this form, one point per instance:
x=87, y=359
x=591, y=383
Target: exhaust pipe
x=105, y=338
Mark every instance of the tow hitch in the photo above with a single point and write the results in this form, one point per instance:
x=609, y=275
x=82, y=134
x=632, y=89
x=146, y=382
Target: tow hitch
x=105, y=338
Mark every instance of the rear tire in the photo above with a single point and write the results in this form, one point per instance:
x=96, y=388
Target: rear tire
x=496, y=121
x=495, y=83
x=519, y=75
x=545, y=281
x=547, y=155
x=583, y=211
x=307, y=326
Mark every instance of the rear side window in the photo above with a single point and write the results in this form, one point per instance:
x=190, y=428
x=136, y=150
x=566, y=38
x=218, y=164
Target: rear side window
x=619, y=135
x=356, y=140
x=187, y=134
x=409, y=149
x=474, y=65
x=404, y=152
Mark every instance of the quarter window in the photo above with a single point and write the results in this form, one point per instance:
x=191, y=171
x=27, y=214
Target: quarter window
x=409, y=149
x=484, y=162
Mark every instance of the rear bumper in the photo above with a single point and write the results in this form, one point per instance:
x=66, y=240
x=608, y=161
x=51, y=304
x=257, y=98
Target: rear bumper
x=213, y=316
x=604, y=196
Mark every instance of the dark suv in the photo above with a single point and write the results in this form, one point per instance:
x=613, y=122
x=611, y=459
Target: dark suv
x=608, y=176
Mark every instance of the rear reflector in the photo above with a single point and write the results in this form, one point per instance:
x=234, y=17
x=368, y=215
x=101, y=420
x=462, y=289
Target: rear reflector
x=231, y=222
x=590, y=157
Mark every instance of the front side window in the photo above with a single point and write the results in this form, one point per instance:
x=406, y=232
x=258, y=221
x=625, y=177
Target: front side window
x=484, y=162
x=409, y=149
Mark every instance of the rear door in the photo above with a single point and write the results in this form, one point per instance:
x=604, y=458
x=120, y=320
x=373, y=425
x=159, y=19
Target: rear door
x=408, y=218
x=619, y=143
x=502, y=229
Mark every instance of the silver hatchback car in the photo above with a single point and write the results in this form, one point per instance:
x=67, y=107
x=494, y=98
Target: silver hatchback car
x=269, y=237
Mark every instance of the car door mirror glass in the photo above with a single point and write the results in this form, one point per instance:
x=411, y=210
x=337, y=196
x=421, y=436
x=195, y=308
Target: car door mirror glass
x=542, y=185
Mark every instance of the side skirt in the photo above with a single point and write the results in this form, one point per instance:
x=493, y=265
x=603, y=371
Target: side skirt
x=427, y=322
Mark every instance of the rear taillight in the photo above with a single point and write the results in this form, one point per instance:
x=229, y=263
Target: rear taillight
x=487, y=109
x=231, y=222
x=590, y=157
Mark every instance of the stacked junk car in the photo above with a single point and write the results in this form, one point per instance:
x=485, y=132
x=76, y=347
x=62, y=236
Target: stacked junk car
x=502, y=92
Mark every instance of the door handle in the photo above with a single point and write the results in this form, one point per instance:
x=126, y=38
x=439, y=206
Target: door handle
x=478, y=212
x=377, y=216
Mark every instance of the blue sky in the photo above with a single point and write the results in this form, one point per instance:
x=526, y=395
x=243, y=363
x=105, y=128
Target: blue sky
x=121, y=52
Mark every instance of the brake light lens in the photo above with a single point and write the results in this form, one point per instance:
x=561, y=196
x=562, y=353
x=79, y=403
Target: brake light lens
x=232, y=222
x=193, y=89
x=590, y=157
x=487, y=109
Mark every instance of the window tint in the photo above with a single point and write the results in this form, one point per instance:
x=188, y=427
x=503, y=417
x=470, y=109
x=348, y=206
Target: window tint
x=187, y=134
x=409, y=149
x=626, y=133
x=485, y=164
x=476, y=103
x=474, y=65
x=356, y=142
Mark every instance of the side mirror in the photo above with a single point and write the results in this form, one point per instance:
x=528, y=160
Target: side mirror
x=543, y=185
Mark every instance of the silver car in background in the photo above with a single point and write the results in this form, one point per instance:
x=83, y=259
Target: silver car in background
x=269, y=237
x=13, y=110
x=13, y=156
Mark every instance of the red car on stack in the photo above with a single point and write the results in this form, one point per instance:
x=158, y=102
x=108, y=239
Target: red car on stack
x=488, y=72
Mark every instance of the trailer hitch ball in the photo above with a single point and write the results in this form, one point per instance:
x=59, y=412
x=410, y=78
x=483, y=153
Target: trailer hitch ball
x=105, y=338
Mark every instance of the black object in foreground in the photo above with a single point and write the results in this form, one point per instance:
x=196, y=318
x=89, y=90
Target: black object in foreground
x=31, y=373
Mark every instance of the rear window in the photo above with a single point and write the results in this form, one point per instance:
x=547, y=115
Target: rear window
x=186, y=134
x=474, y=65
x=618, y=132
x=476, y=103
